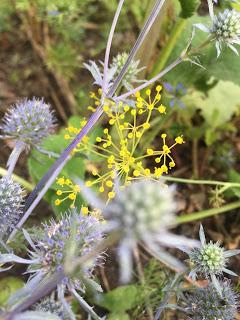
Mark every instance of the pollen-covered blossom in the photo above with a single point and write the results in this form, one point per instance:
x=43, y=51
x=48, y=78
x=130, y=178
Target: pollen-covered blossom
x=225, y=28
x=49, y=250
x=118, y=146
x=144, y=211
x=11, y=203
x=207, y=304
x=29, y=122
x=210, y=260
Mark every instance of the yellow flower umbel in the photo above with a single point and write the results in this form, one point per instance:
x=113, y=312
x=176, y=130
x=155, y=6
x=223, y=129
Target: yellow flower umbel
x=67, y=191
x=119, y=144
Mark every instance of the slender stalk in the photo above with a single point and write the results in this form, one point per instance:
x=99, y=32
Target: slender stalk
x=151, y=81
x=14, y=156
x=28, y=186
x=168, y=48
x=147, y=26
x=108, y=47
x=207, y=213
x=206, y=182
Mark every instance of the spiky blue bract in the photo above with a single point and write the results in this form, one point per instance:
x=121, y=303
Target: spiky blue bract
x=207, y=304
x=52, y=306
x=144, y=211
x=29, y=121
x=11, y=203
x=52, y=245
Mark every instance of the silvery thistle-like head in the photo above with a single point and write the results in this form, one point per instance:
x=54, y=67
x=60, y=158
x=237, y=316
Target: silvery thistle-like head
x=210, y=260
x=143, y=212
x=49, y=305
x=11, y=203
x=225, y=28
x=115, y=68
x=48, y=254
x=207, y=304
x=29, y=122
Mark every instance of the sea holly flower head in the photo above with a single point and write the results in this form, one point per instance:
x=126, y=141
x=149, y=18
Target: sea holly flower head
x=29, y=122
x=115, y=68
x=130, y=76
x=49, y=250
x=11, y=204
x=210, y=260
x=51, y=306
x=206, y=303
x=119, y=144
x=225, y=28
x=144, y=211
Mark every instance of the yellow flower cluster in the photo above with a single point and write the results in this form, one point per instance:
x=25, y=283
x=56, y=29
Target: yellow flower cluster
x=119, y=144
x=67, y=191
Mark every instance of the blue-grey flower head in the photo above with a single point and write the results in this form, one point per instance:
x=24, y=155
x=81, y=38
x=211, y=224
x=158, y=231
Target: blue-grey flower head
x=11, y=203
x=29, y=121
x=53, y=244
x=143, y=207
x=52, y=306
x=225, y=28
x=210, y=259
x=207, y=304
x=144, y=211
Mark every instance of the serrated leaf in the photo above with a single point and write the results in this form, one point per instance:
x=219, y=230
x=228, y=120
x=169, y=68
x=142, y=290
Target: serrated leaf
x=189, y=8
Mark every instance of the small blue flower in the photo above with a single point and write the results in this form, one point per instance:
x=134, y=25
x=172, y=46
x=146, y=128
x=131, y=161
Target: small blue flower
x=175, y=94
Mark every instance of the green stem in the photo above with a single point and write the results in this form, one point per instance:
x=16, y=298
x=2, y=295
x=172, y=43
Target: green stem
x=167, y=50
x=206, y=182
x=28, y=186
x=207, y=213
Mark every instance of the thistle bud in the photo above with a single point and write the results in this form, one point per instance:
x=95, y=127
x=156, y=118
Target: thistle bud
x=206, y=303
x=29, y=121
x=131, y=75
x=143, y=207
x=11, y=202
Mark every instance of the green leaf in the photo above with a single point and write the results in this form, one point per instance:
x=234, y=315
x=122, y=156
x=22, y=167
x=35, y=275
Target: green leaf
x=234, y=176
x=8, y=286
x=120, y=299
x=189, y=8
x=118, y=316
x=221, y=103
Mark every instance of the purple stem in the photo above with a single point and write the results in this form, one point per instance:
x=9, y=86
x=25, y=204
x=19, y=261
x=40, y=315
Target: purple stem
x=42, y=290
x=108, y=47
x=151, y=81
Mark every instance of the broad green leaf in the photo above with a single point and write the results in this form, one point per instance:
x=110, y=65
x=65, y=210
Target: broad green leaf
x=120, y=299
x=118, y=316
x=8, y=286
x=221, y=103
